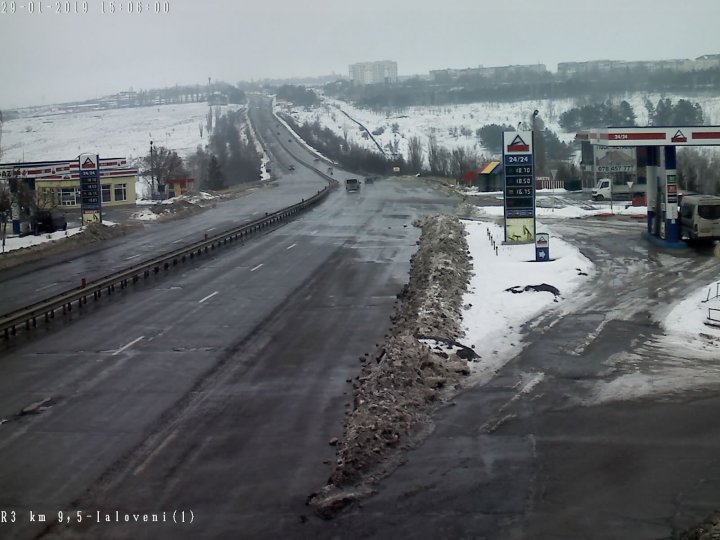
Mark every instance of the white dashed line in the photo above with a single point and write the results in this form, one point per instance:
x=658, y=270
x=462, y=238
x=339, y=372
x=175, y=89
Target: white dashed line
x=46, y=287
x=292, y=246
x=208, y=297
x=178, y=241
x=133, y=342
x=132, y=257
x=258, y=266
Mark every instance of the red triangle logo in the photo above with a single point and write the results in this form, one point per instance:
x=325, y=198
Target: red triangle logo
x=518, y=145
x=679, y=137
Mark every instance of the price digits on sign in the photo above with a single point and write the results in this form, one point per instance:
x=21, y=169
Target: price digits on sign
x=513, y=170
x=516, y=160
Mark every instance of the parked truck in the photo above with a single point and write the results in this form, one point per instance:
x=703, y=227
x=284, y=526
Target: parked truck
x=605, y=190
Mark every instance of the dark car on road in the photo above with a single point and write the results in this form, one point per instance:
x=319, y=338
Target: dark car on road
x=49, y=221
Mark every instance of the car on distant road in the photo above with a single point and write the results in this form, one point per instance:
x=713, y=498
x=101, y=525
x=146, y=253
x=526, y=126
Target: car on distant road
x=291, y=167
x=352, y=184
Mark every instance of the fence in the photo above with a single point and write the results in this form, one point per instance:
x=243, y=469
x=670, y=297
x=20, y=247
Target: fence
x=713, y=316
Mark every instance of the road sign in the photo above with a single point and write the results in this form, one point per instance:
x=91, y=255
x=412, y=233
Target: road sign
x=542, y=247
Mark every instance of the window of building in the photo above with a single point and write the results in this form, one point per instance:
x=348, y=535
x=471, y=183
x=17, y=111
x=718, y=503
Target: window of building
x=120, y=192
x=105, y=189
x=69, y=196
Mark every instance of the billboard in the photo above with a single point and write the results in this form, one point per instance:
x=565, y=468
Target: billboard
x=519, y=187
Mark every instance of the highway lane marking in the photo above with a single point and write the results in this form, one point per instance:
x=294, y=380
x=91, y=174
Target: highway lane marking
x=258, y=266
x=133, y=342
x=211, y=229
x=132, y=257
x=46, y=287
x=208, y=297
x=178, y=241
x=290, y=247
x=315, y=231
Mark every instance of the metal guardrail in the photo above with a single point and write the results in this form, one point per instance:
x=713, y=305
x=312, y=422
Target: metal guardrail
x=28, y=316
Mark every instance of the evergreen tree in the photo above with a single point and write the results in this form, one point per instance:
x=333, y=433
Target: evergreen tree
x=215, y=176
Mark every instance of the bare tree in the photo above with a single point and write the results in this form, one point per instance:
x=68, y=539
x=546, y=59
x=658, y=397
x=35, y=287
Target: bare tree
x=415, y=154
x=699, y=170
x=164, y=165
x=438, y=158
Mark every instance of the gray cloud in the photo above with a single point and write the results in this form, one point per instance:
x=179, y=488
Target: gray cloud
x=53, y=57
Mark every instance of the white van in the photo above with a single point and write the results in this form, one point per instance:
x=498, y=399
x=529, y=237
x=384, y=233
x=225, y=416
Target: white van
x=700, y=217
x=601, y=191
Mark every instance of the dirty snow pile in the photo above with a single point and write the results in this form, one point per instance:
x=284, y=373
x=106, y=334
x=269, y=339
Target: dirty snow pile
x=443, y=332
x=16, y=252
x=175, y=207
x=399, y=387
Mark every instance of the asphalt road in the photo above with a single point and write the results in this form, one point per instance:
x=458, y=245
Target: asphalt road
x=216, y=388
x=543, y=450
x=24, y=284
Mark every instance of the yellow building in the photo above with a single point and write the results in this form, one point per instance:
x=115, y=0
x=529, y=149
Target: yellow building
x=57, y=183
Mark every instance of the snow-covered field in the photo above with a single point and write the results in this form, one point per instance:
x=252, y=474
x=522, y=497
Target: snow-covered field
x=111, y=133
x=448, y=122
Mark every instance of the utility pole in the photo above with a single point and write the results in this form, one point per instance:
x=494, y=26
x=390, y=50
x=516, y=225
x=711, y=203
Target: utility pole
x=152, y=172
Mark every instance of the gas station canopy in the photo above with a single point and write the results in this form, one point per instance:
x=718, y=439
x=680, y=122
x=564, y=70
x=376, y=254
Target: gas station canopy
x=653, y=136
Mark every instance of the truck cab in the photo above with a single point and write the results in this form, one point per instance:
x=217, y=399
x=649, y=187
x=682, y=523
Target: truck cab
x=602, y=190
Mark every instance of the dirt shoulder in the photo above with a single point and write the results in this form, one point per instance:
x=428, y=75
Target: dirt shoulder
x=419, y=366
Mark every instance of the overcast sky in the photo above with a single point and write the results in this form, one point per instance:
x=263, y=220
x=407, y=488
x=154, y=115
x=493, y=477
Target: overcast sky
x=49, y=57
